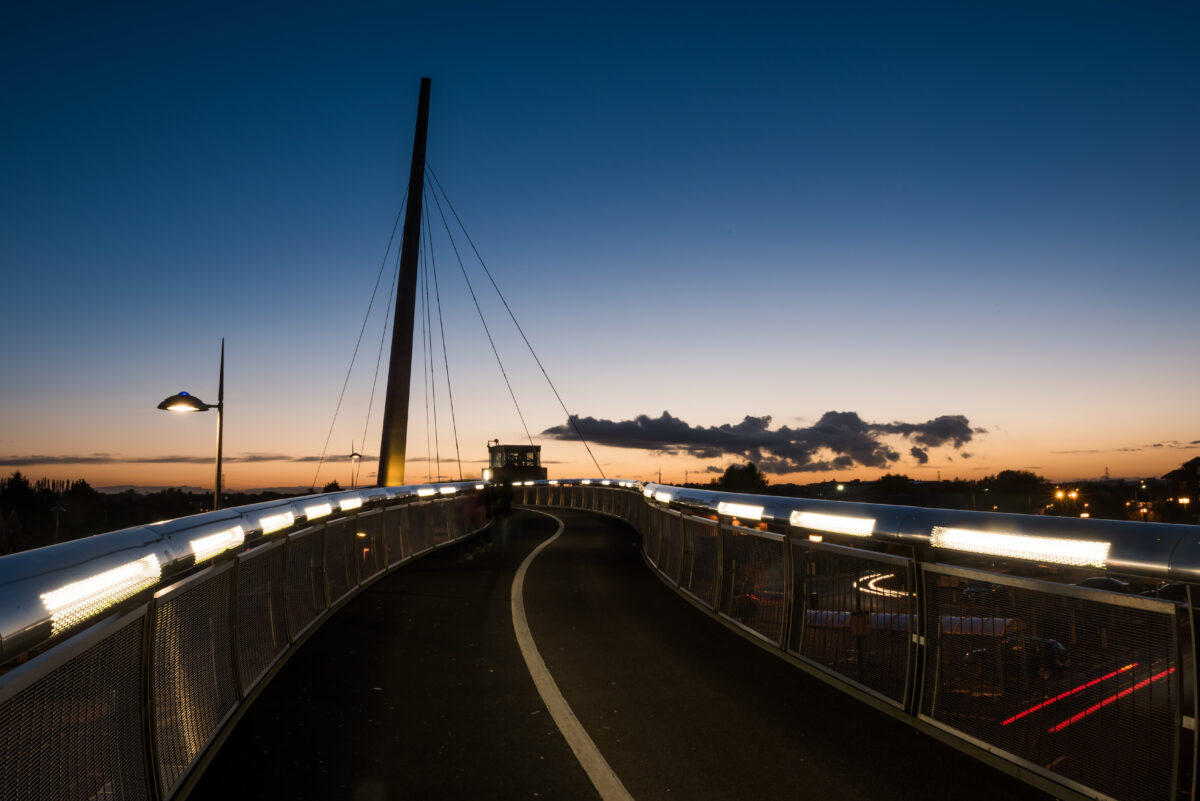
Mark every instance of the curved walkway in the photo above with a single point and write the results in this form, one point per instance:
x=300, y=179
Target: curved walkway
x=418, y=689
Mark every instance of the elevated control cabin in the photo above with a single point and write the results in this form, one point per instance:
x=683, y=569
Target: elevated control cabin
x=509, y=463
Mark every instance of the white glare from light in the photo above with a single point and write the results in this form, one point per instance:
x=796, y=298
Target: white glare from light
x=320, y=510
x=649, y=493
x=529, y=483
x=79, y=600
x=213, y=544
x=276, y=522
x=1081, y=553
x=347, y=504
x=425, y=492
x=479, y=486
x=606, y=482
x=586, y=481
x=662, y=497
x=447, y=490
x=743, y=510
x=834, y=524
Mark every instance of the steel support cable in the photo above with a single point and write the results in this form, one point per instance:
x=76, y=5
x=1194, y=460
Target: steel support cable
x=375, y=379
x=437, y=294
x=437, y=445
x=386, y=252
x=570, y=418
x=491, y=342
x=425, y=373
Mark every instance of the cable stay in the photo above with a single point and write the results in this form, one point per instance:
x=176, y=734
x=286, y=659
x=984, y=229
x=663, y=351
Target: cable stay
x=387, y=251
x=442, y=333
x=572, y=419
x=486, y=330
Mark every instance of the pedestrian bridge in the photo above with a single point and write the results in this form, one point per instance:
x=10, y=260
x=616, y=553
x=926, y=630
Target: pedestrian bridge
x=665, y=643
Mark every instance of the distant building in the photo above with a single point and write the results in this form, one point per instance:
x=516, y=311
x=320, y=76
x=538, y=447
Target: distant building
x=1185, y=480
x=509, y=463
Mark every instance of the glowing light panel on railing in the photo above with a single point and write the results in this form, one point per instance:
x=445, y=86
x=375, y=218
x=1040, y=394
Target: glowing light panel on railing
x=346, y=504
x=479, y=486
x=425, y=492
x=834, y=524
x=529, y=483
x=586, y=481
x=554, y=482
x=318, y=511
x=649, y=493
x=214, y=544
x=276, y=522
x=80, y=600
x=606, y=482
x=447, y=490
x=743, y=510
x=1082, y=553
x=662, y=497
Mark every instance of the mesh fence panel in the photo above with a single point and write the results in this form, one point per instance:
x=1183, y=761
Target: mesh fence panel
x=653, y=538
x=439, y=524
x=758, y=583
x=420, y=535
x=371, y=550
x=305, y=579
x=393, y=534
x=700, y=568
x=859, y=616
x=76, y=732
x=194, y=685
x=669, y=558
x=339, y=560
x=1085, y=687
x=261, y=628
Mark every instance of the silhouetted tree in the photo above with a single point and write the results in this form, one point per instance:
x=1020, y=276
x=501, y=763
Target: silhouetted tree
x=742, y=478
x=332, y=486
x=894, y=485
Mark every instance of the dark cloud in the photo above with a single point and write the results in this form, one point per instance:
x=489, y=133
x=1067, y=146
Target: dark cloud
x=838, y=441
x=108, y=458
x=921, y=455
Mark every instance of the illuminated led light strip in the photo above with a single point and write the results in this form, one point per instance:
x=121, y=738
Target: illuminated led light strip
x=276, y=522
x=606, y=482
x=479, y=486
x=447, y=490
x=649, y=493
x=743, y=510
x=586, y=481
x=320, y=510
x=425, y=492
x=869, y=585
x=662, y=497
x=835, y=524
x=1068, y=694
x=346, y=504
x=213, y=544
x=1112, y=698
x=75, y=602
x=1082, y=553
x=554, y=482
x=529, y=483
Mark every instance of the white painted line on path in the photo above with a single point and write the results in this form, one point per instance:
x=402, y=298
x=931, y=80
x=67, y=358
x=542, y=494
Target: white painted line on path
x=589, y=756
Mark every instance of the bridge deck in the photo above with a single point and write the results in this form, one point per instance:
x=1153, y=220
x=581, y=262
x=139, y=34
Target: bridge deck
x=417, y=689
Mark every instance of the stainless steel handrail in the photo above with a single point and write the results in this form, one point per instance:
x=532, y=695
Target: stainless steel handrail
x=45, y=591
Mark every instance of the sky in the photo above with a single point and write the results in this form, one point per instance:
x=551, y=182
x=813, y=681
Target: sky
x=838, y=239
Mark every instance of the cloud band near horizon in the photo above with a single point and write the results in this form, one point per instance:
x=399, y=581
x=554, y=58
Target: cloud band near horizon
x=838, y=441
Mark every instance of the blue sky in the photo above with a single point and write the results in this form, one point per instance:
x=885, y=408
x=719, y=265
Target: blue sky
x=904, y=212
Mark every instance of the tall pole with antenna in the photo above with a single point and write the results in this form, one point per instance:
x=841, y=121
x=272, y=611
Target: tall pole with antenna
x=395, y=408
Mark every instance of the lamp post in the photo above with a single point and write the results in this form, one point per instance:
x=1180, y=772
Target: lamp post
x=183, y=402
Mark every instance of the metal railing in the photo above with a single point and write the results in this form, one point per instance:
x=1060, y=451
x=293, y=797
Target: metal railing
x=970, y=626
x=127, y=655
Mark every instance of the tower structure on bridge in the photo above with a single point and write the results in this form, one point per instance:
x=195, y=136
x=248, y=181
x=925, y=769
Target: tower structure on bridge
x=395, y=408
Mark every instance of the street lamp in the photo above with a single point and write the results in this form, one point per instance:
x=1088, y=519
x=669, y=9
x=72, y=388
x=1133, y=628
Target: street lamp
x=183, y=402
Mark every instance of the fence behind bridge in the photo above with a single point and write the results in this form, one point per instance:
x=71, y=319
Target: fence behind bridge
x=128, y=654
x=941, y=619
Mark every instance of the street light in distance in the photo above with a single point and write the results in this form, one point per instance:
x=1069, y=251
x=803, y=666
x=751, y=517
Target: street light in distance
x=185, y=402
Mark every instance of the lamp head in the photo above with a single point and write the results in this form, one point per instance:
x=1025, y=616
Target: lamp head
x=183, y=402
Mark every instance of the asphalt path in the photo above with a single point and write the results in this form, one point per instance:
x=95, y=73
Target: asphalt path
x=417, y=689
